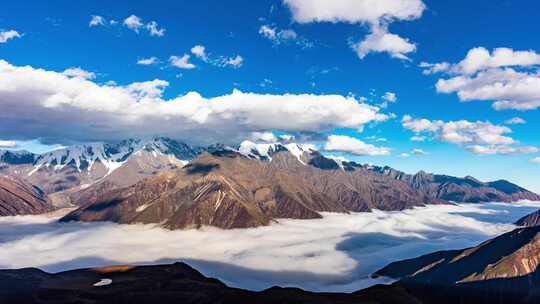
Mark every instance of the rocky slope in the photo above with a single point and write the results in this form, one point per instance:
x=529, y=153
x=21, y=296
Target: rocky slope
x=504, y=268
x=20, y=198
x=65, y=173
x=467, y=189
x=530, y=220
x=226, y=189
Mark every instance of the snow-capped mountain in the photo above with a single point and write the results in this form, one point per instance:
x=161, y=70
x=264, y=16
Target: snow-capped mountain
x=264, y=151
x=112, y=156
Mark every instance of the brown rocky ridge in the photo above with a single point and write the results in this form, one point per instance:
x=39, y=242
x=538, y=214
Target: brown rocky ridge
x=18, y=197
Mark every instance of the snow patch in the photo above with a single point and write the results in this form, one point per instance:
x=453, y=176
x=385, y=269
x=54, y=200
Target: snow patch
x=103, y=282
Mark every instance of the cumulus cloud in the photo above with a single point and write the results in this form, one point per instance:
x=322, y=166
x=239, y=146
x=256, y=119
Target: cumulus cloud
x=418, y=138
x=381, y=41
x=482, y=137
x=354, y=146
x=5, y=36
x=336, y=253
x=8, y=144
x=78, y=109
x=133, y=23
x=154, y=30
x=377, y=14
x=147, y=61
x=515, y=121
x=461, y=131
x=181, y=62
x=535, y=160
x=96, y=20
x=221, y=61
x=354, y=11
x=79, y=73
x=508, y=78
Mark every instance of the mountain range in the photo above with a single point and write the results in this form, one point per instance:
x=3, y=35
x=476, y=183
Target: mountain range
x=251, y=184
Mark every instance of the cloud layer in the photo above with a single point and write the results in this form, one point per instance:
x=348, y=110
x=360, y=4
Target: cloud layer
x=57, y=107
x=336, y=253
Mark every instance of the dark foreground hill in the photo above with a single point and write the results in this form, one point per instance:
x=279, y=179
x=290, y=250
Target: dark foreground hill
x=500, y=270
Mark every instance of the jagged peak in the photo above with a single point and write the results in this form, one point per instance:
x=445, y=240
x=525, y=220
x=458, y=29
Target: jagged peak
x=264, y=151
x=112, y=155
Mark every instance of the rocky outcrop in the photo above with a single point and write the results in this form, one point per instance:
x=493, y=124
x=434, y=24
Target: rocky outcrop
x=530, y=220
x=503, y=268
x=234, y=191
x=20, y=198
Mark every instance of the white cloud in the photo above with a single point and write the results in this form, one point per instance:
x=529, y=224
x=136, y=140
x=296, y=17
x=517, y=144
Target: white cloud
x=433, y=68
x=200, y=52
x=501, y=149
x=354, y=11
x=353, y=145
x=515, y=121
x=461, y=131
x=390, y=97
x=417, y=151
x=79, y=73
x=153, y=29
x=221, y=61
x=78, y=109
x=134, y=23
x=235, y=61
x=283, y=36
x=147, y=61
x=7, y=35
x=96, y=20
x=381, y=41
x=404, y=155
x=482, y=136
x=181, y=62
x=268, y=137
x=478, y=59
x=535, y=160
x=377, y=14
x=8, y=144
x=482, y=75
x=336, y=253
x=418, y=138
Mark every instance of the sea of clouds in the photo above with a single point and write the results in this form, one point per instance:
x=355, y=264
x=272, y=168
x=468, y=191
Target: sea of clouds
x=336, y=253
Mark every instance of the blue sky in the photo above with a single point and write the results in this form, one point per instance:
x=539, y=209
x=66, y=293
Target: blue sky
x=317, y=59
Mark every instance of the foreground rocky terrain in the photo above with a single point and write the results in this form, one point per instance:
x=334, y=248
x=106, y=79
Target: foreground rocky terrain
x=500, y=270
x=176, y=283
